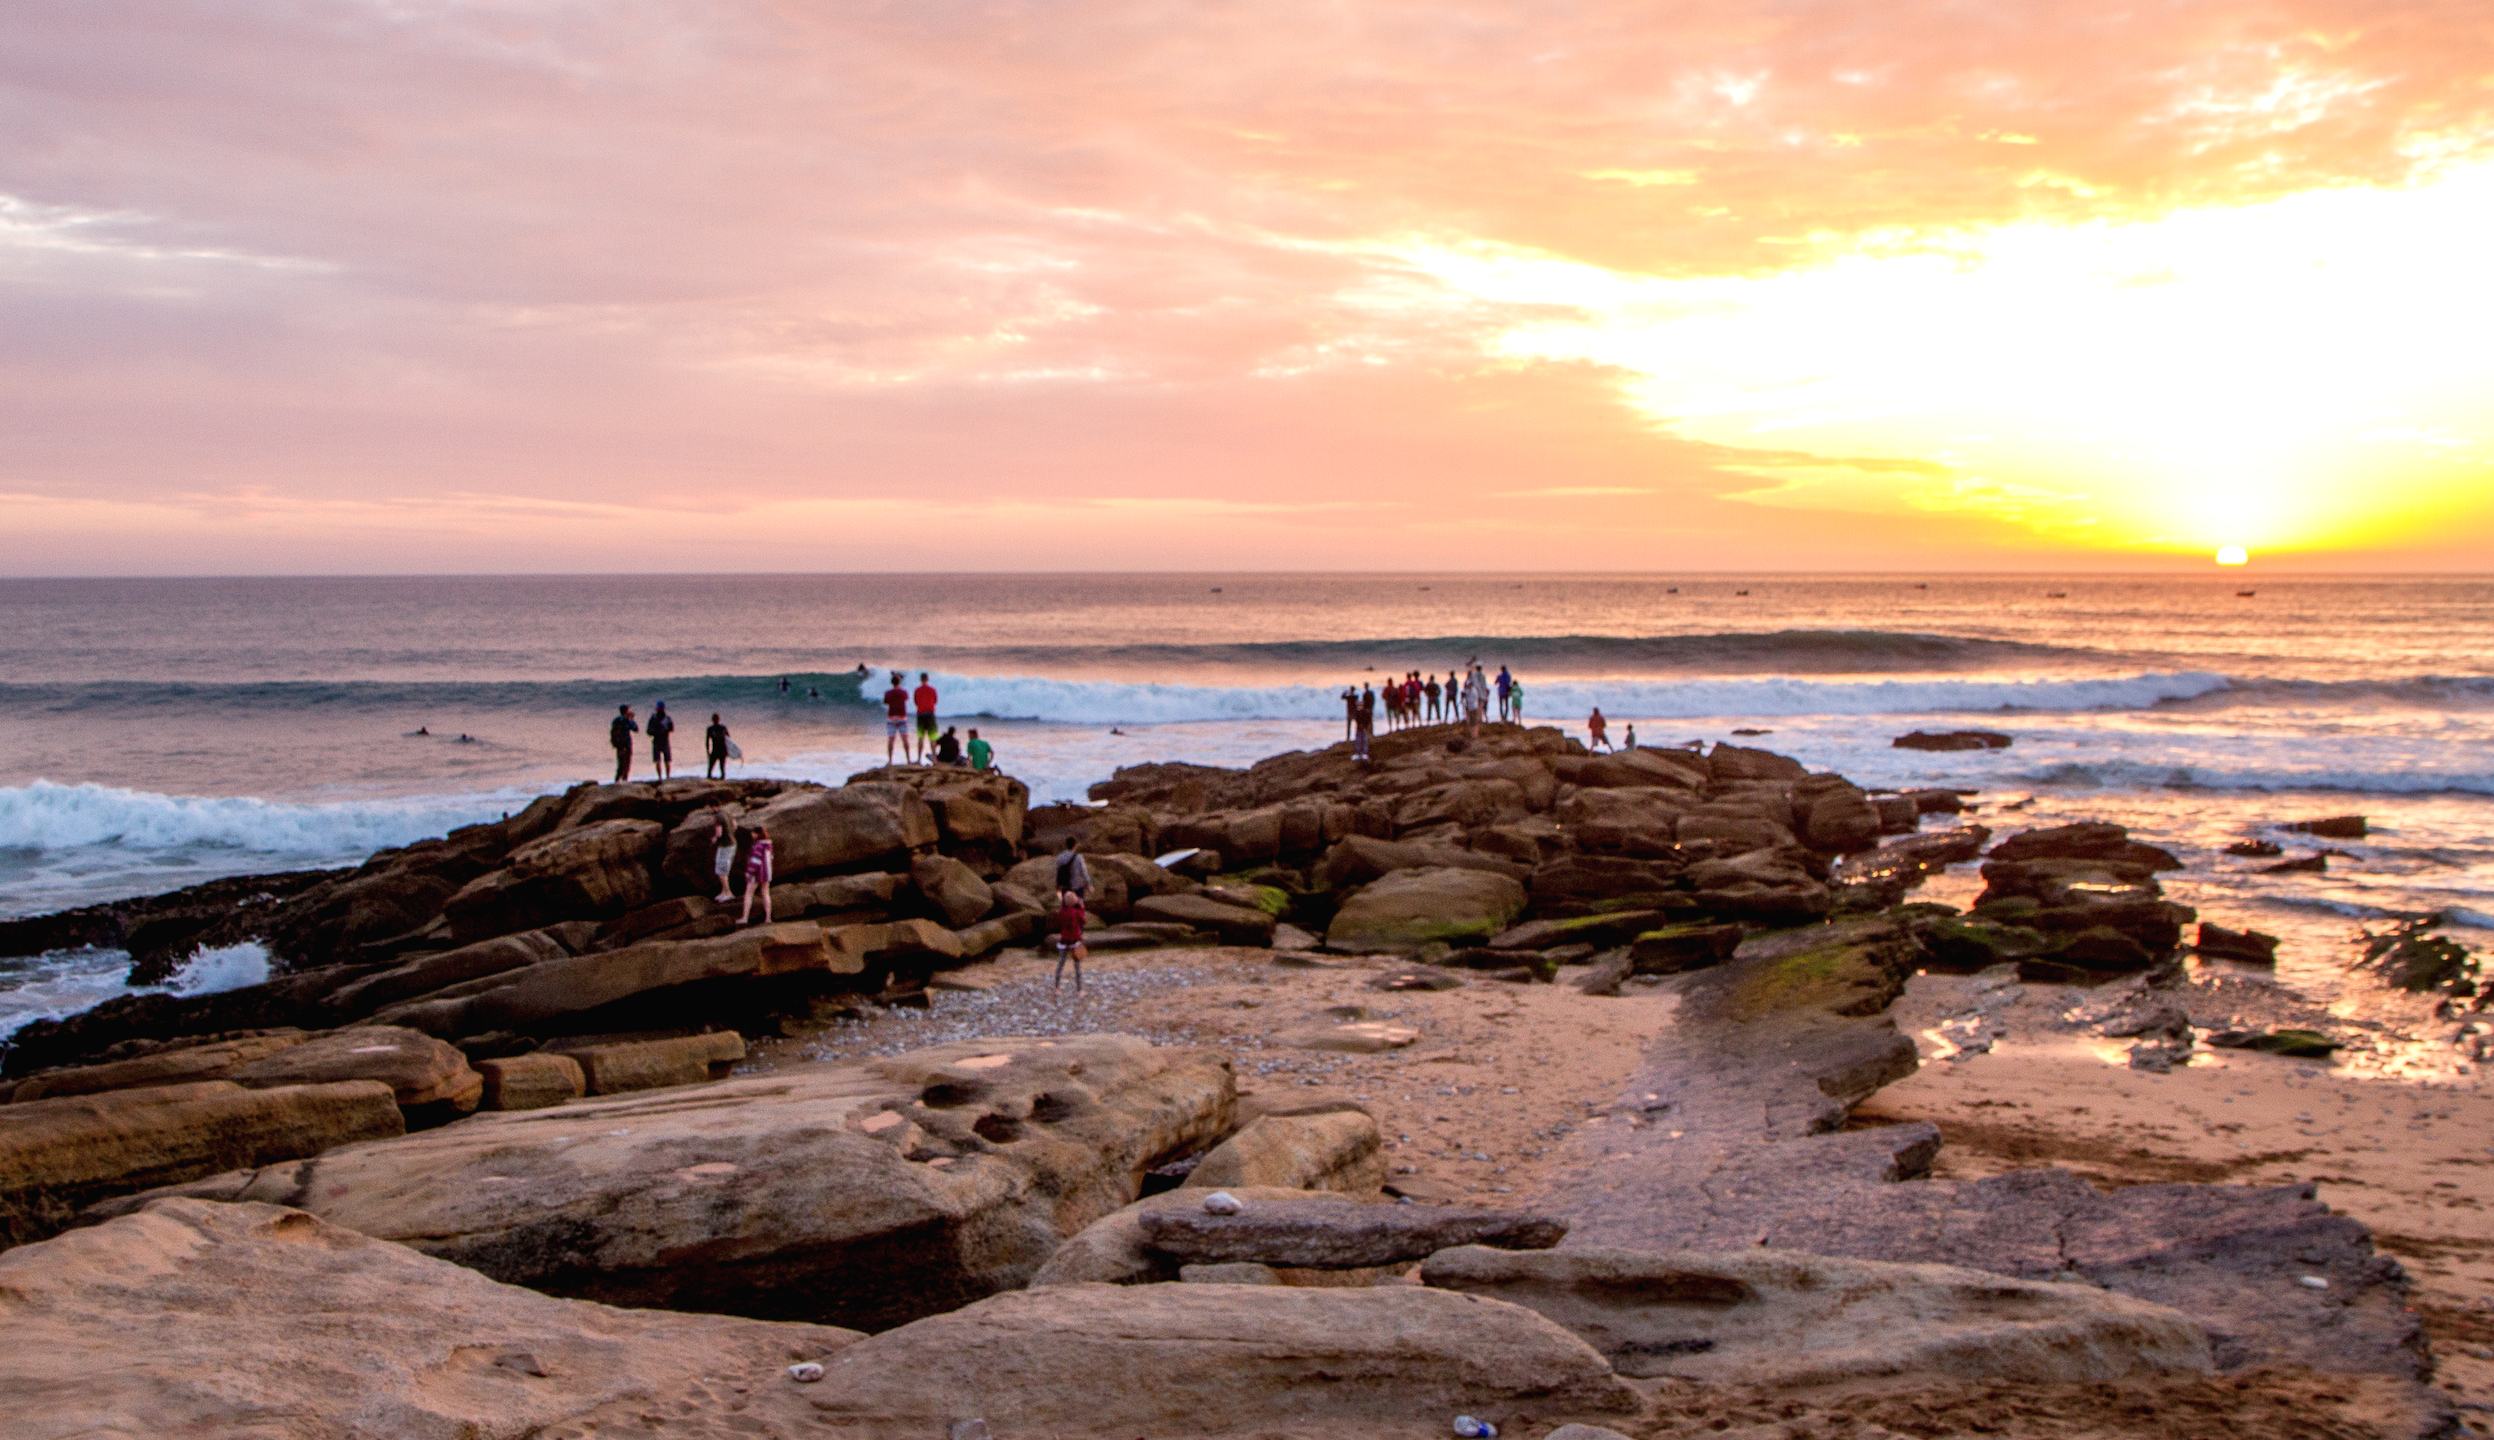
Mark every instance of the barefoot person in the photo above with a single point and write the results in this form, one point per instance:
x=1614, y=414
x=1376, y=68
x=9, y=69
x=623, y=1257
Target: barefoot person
x=619, y=733
x=1597, y=730
x=1350, y=710
x=924, y=696
x=661, y=740
x=1506, y=689
x=723, y=856
x=757, y=876
x=714, y=749
x=895, y=719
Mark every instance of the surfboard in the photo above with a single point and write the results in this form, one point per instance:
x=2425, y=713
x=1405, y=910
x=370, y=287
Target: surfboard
x=1175, y=857
x=735, y=751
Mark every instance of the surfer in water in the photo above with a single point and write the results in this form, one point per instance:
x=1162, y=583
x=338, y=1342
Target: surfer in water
x=714, y=749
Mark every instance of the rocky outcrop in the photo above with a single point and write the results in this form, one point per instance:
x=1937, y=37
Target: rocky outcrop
x=1336, y=1233
x=168, y=1065
x=874, y=825
x=233, y=1320
x=867, y=1193
x=1951, y=740
x=1113, y=1250
x=2086, y=897
x=576, y=992
x=1410, y=910
x=1788, y=1320
x=1090, y=1360
x=1333, y=1149
x=430, y=1080
x=58, y=1156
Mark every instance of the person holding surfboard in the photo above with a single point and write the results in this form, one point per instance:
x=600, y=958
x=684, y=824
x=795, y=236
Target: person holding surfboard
x=715, y=748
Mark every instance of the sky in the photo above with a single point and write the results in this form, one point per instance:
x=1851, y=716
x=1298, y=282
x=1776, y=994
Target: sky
x=363, y=286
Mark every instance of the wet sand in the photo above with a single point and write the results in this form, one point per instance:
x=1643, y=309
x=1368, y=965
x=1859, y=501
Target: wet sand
x=2413, y=1161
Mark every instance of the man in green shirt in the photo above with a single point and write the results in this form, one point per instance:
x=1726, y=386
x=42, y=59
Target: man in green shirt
x=982, y=754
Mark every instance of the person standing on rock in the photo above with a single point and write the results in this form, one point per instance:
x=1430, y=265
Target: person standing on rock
x=895, y=718
x=1431, y=690
x=924, y=696
x=661, y=741
x=723, y=856
x=1506, y=685
x=1366, y=730
x=1350, y=710
x=1515, y=699
x=1073, y=877
x=619, y=733
x=757, y=876
x=1597, y=730
x=714, y=749
x=1069, y=946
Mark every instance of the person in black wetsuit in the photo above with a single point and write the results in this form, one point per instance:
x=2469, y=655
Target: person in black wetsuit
x=714, y=749
x=619, y=733
x=662, y=741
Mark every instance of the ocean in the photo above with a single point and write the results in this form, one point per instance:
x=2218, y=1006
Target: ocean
x=171, y=731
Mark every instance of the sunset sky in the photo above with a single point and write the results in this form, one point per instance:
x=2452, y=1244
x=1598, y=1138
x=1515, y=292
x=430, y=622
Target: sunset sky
x=399, y=285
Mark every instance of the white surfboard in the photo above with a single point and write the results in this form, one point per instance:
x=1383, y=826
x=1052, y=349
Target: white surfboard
x=735, y=751
x=1175, y=857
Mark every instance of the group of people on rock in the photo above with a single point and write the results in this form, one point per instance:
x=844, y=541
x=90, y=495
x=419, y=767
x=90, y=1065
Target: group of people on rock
x=716, y=748
x=924, y=743
x=921, y=744
x=1464, y=698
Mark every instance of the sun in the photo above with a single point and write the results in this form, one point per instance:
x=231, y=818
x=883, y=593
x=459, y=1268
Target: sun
x=2233, y=555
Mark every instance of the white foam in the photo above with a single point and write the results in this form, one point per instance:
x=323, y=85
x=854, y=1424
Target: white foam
x=1109, y=703
x=222, y=967
x=43, y=816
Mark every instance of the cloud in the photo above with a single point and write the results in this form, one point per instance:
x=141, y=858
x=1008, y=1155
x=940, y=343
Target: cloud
x=707, y=258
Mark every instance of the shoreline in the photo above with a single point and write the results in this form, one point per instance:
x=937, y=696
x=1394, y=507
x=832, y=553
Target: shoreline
x=1478, y=978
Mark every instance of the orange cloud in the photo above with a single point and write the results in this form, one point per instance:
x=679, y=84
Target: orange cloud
x=950, y=258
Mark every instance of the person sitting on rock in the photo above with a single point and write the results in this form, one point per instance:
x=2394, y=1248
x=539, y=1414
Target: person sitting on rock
x=948, y=749
x=982, y=754
x=1630, y=743
x=757, y=876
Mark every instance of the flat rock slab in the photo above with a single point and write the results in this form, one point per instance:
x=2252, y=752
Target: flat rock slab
x=1365, y=1037
x=1201, y=1360
x=1733, y=1139
x=58, y=1156
x=865, y=1193
x=1785, y=1319
x=250, y=1320
x=1340, y=1235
